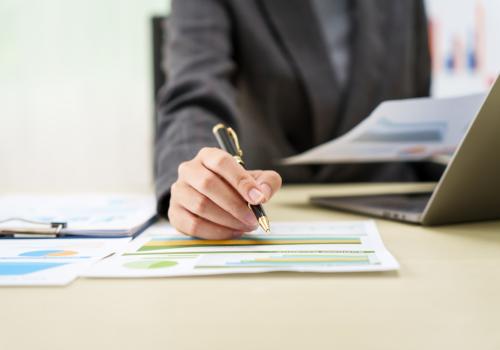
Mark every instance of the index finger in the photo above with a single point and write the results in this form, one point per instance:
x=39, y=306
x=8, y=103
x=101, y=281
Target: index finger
x=224, y=165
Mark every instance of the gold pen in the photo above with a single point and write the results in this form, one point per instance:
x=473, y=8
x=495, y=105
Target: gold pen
x=228, y=141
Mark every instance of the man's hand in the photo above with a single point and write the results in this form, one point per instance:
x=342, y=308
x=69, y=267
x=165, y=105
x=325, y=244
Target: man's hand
x=209, y=198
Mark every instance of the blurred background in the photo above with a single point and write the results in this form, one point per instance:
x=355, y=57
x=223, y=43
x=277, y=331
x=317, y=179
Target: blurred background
x=76, y=96
x=464, y=46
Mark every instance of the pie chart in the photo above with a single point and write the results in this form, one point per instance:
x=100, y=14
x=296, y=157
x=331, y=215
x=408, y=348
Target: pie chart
x=49, y=253
x=150, y=264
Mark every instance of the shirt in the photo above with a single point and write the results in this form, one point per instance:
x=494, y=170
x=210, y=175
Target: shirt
x=334, y=18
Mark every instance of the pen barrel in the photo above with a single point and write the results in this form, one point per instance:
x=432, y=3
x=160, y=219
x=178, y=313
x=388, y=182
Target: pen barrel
x=258, y=210
x=225, y=142
x=228, y=141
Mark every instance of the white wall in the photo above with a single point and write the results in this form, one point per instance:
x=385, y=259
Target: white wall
x=75, y=95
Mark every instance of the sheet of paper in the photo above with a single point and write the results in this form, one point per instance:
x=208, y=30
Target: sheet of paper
x=28, y=262
x=401, y=130
x=292, y=246
x=83, y=212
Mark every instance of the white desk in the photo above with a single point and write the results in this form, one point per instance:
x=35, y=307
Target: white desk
x=446, y=296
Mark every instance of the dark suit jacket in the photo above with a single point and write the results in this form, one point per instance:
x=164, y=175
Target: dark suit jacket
x=262, y=67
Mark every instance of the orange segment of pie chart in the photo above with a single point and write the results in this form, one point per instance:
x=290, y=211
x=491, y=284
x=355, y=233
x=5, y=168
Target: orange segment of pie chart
x=63, y=253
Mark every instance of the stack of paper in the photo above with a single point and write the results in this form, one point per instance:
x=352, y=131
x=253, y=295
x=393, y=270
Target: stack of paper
x=88, y=215
x=405, y=130
x=58, y=261
x=297, y=246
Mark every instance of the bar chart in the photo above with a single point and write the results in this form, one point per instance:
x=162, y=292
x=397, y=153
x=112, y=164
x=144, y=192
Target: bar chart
x=464, y=50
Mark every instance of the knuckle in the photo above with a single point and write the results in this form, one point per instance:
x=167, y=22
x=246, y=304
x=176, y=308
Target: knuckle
x=221, y=160
x=205, y=152
x=173, y=190
x=201, y=152
x=181, y=170
x=207, y=182
x=201, y=205
x=243, y=181
x=193, y=226
x=236, y=208
x=171, y=213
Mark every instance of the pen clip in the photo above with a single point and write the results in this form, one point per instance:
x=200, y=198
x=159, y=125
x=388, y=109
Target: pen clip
x=234, y=137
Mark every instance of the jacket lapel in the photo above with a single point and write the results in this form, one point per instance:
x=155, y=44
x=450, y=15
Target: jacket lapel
x=298, y=29
x=369, y=54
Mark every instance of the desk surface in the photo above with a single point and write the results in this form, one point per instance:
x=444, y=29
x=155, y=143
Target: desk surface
x=446, y=296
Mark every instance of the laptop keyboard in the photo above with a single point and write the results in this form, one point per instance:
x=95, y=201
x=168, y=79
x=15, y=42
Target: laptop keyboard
x=412, y=203
x=409, y=203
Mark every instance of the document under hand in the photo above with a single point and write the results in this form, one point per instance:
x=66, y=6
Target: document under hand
x=401, y=130
x=350, y=246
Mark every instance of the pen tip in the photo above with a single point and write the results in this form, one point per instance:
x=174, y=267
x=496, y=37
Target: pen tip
x=264, y=223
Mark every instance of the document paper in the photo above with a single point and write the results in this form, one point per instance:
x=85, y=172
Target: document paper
x=95, y=215
x=404, y=130
x=292, y=246
x=52, y=261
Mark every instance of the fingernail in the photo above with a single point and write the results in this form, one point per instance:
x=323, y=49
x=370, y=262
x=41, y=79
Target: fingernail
x=255, y=195
x=251, y=220
x=266, y=189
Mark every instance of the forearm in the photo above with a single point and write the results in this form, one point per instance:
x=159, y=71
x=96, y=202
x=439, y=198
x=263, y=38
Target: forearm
x=180, y=136
x=199, y=92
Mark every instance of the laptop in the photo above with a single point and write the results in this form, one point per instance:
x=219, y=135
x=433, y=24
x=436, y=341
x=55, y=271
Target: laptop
x=469, y=189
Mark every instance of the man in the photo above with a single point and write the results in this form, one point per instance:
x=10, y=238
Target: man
x=287, y=75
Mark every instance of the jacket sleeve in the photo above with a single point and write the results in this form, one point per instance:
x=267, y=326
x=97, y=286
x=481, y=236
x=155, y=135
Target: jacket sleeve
x=199, y=92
